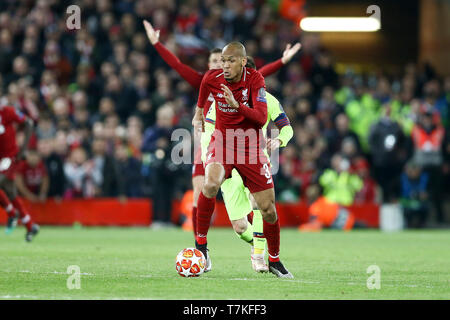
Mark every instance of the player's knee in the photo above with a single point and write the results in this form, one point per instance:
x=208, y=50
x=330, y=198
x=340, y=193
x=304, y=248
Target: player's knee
x=269, y=212
x=240, y=226
x=211, y=188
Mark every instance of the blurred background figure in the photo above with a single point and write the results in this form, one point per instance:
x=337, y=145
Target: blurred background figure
x=164, y=174
x=428, y=138
x=414, y=195
x=388, y=153
x=31, y=178
x=331, y=209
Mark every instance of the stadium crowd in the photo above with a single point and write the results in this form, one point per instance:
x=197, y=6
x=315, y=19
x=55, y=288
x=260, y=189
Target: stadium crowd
x=105, y=104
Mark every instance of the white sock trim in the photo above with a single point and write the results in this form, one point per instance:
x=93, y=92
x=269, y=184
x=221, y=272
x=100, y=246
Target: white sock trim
x=26, y=219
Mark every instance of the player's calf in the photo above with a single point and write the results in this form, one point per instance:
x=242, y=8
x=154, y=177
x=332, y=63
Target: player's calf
x=243, y=229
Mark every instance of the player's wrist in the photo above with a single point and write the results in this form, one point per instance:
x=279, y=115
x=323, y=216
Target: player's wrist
x=280, y=142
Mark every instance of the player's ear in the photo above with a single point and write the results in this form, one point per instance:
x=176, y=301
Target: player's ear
x=244, y=61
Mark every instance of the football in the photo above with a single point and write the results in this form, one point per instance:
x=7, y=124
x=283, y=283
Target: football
x=190, y=262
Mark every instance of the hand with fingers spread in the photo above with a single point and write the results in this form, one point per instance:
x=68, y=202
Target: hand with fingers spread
x=228, y=95
x=289, y=52
x=152, y=34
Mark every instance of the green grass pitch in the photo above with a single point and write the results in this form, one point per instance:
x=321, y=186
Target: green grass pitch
x=138, y=263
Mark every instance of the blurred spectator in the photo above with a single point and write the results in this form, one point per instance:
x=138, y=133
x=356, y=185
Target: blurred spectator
x=132, y=166
x=339, y=188
x=414, y=196
x=109, y=181
x=323, y=73
x=339, y=185
x=388, y=152
x=31, y=177
x=342, y=131
x=288, y=180
x=157, y=147
x=80, y=175
x=55, y=167
x=368, y=192
x=428, y=138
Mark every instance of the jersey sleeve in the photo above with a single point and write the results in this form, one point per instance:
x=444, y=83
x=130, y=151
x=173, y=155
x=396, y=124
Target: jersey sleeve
x=270, y=68
x=193, y=77
x=14, y=115
x=258, y=113
x=204, y=92
x=279, y=117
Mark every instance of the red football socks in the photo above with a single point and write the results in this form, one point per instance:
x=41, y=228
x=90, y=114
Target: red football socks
x=23, y=214
x=194, y=220
x=6, y=204
x=272, y=234
x=205, y=209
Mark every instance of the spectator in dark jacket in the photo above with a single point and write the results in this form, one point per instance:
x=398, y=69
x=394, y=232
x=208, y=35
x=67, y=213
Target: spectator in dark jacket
x=55, y=168
x=163, y=172
x=111, y=180
x=387, y=146
x=130, y=169
x=415, y=195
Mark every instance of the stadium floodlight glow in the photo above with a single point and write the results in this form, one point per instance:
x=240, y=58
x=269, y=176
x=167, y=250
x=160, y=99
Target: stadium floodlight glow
x=340, y=24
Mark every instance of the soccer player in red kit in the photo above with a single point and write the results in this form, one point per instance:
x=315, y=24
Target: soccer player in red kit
x=9, y=154
x=241, y=112
x=194, y=78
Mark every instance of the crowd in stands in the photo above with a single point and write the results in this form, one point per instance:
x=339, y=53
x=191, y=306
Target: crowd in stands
x=105, y=104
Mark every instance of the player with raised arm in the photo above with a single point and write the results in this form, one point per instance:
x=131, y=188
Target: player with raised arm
x=194, y=78
x=9, y=155
x=241, y=112
x=236, y=196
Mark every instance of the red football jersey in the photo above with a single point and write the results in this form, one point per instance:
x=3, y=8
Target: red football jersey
x=32, y=176
x=9, y=116
x=249, y=92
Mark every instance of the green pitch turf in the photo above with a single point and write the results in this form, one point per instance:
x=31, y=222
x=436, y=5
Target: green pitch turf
x=138, y=263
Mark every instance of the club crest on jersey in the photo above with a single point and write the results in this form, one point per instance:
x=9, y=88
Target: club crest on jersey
x=245, y=94
x=219, y=95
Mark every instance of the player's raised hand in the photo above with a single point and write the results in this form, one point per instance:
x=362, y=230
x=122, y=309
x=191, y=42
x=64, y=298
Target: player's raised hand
x=289, y=52
x=152, y=35
x=229, y=98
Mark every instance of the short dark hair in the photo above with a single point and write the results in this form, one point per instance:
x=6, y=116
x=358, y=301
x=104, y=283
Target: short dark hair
x=250, y=62
x=215, y=50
